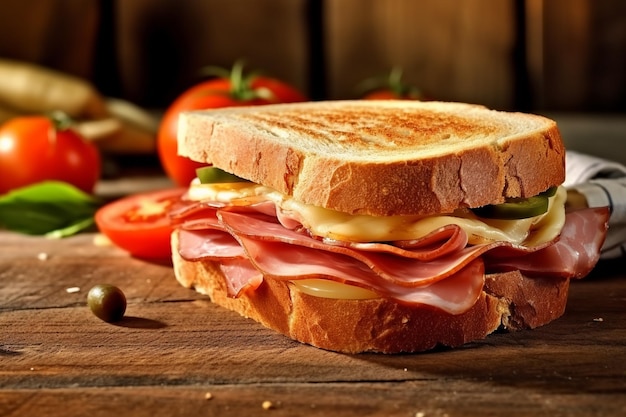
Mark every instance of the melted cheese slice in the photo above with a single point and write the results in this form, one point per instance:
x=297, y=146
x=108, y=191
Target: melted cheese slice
x=331, y=224
x=324, y=288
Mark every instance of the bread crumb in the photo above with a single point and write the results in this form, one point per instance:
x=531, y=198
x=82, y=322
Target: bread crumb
x=42, y=256
x=208, y=396
x=598, y=319
x=72, y=290
x=101, y=240
x=420, y=414
x=267, y=405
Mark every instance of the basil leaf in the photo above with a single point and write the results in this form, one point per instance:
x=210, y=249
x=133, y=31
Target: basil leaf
x=51, y=208
x=72, y=229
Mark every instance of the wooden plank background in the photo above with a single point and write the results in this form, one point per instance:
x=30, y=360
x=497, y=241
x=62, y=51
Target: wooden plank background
x=455, y=50
x=557, y=55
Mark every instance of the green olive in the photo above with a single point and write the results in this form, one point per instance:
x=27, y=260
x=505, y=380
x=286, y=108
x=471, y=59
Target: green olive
x=211, y=175
x=107, y=302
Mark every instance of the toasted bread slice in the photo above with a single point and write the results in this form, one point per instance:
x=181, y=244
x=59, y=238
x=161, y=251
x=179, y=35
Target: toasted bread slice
x=381, y=157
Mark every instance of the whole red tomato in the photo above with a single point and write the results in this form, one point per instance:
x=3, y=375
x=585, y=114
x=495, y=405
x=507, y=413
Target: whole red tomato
x=229, y=89
x=39, y=148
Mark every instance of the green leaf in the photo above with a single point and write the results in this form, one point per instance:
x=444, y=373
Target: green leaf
x=50, y=208
x=72, y=229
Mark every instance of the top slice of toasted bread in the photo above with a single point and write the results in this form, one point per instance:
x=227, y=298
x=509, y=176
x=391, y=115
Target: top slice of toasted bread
x=381, y=157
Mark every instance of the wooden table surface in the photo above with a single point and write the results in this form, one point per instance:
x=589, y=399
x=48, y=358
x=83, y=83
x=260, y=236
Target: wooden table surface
x=176, y=354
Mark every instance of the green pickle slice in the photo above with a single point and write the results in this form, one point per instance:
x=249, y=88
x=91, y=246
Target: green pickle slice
x=213, y=175
x=517, y=208
x=550, y=192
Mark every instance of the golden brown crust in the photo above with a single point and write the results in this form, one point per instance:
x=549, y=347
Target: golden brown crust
x=381, y=158
x=509, y=301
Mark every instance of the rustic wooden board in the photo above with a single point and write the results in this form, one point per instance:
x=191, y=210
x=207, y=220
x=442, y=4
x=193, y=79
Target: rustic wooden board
x=174, y=346
x=401, y=399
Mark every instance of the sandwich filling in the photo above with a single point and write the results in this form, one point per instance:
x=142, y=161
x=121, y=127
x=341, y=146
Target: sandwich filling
x=332, y=225
x=256, y=233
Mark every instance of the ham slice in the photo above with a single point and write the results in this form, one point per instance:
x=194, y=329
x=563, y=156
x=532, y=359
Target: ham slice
x=210, y=244
x=439, y=270
x=281, y=260
x=573, y=255
x=397, y=266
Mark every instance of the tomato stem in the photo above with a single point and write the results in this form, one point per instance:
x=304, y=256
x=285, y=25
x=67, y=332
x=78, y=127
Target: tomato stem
x=241, y=84
x=393, y=82
x=60, y=120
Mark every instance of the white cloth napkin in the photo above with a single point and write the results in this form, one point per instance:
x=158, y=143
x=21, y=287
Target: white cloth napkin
x=603, y=183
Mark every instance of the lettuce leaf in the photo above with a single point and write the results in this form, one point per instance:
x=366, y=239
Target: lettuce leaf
x=50, y=208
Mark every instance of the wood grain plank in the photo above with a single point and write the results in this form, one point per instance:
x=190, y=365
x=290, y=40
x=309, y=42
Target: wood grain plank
x=59, y=35
x=456, y=51
x=41, y=270
x=402, y=399
x=193, y=342
x=576, y=54
x=164, y=45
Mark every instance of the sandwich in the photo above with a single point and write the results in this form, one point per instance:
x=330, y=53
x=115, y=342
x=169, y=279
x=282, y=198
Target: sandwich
x=381, y=226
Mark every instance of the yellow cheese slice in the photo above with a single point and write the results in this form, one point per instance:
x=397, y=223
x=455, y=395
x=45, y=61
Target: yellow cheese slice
x=335, y=225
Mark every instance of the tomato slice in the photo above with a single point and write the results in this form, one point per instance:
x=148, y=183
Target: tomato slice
x=140, y=223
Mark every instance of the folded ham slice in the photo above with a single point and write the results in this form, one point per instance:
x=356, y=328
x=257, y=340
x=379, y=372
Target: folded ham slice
x=251, y=243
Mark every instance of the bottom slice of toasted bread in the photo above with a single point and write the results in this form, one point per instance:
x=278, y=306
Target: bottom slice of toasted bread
x=509, y=300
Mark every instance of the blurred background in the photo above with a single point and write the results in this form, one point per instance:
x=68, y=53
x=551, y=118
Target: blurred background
x=562, y=58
